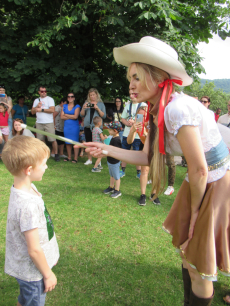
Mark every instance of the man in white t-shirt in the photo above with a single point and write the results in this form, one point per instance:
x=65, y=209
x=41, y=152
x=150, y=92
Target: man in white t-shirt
x=127, y=118
x=44, y=108
x=225, y=119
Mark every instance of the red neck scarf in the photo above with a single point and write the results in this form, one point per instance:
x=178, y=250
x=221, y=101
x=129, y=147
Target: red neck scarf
x=162, y=109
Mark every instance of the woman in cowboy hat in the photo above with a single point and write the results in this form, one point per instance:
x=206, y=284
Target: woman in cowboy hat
x=179, y=124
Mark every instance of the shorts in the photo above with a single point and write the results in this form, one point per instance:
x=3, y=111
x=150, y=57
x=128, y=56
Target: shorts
x=82, y=138
x=114, y=170
x=59, y=142
x=31, y=293
x=88, y=134
x=5, y=131
x=46, y=127
x=135, y=144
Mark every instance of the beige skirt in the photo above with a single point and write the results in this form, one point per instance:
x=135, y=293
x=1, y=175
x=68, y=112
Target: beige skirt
x=210, y=246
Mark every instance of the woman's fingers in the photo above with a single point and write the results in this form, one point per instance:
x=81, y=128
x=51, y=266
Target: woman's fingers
x=194, y=217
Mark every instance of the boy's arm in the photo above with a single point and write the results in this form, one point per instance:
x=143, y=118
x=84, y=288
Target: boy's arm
x=37, y=255
x=103, y=137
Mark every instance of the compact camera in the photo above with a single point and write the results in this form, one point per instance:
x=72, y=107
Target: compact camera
x=90, y=105
x=2, y=95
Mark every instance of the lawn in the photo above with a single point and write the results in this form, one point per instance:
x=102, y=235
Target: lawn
x=112, y=251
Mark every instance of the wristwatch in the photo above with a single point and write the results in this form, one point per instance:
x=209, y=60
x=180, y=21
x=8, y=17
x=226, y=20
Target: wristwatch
x=43, y=110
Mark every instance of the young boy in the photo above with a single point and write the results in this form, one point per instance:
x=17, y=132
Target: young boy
x=31, y=245
x=97, y=136
x=114, y=165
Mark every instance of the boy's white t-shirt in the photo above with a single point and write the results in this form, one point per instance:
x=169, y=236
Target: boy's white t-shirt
x=42, y=117
x=125, y=115
x=26, y=212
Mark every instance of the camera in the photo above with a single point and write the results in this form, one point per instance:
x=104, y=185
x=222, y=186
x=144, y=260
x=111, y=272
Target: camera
x=2, y=95
x=90, y=105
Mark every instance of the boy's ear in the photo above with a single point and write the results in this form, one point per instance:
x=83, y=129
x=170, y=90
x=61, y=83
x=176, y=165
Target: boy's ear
x=27, y=171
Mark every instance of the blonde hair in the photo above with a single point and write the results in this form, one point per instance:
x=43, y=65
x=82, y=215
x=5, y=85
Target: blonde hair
x=156, y=160
x=96, y=92
x=21, y=152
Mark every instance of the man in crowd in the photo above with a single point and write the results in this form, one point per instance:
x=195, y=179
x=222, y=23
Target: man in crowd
x=44, y=108
x=225, y=119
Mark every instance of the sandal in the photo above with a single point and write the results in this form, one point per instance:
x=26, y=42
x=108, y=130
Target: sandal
x=67, y=159
x=74, y=161
x=81, y=154
x=224, y=298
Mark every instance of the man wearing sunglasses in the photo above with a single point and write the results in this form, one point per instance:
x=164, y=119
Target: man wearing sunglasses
x=44, y=108
x=225, y=119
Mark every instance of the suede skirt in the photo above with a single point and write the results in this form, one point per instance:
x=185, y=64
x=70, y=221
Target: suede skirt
x=209, y=247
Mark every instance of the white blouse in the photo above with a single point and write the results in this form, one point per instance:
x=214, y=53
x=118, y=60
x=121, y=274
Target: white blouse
x=185, y=110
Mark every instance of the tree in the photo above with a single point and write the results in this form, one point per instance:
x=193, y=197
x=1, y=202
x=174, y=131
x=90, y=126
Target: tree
x=67, y=45
x=218, y=98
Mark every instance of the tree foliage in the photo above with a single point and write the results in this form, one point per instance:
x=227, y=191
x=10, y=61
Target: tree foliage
x=67, y=45
x=223, y=84
x=218, y=98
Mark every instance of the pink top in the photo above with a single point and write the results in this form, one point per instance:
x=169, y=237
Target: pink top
x=4, y=120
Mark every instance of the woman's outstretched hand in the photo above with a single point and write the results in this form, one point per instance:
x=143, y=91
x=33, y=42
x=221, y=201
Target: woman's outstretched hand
x=97, y=149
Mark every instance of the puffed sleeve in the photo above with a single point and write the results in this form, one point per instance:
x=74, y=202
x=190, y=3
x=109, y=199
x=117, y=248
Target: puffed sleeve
x=182, y=111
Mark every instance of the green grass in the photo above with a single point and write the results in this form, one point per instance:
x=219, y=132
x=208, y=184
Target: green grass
x=112, y=251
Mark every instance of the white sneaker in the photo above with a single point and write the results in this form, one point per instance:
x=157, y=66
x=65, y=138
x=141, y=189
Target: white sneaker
x=88, y=162
x=63, y=156
x=149, y=182
x=169, y=190
x=52, y=155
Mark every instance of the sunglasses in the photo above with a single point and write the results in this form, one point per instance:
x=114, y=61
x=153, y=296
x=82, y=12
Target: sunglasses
x=202, y=101
x=2, y=86
x=43, y=91
x=70, y=96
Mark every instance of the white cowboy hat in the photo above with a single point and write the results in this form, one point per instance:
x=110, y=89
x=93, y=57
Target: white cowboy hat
x=154, y=52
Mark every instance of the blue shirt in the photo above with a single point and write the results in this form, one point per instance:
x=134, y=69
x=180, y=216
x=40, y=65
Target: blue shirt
x=20, y=112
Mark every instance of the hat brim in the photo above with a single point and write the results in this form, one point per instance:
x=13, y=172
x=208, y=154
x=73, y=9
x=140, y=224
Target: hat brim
x=146, y=54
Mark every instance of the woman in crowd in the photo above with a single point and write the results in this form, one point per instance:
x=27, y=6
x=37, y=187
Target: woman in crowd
x=17, y=130
x=20, y=110
x=141, y=128
x=114, y=114
x=92, y=107
x=70, y=113
x=199, y=217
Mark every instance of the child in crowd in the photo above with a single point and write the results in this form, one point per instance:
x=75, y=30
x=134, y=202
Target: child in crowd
x=4, y=116
x=31, y=245
x=82, y=135
x=114, y=165
x=97, y=136
x=141, y=128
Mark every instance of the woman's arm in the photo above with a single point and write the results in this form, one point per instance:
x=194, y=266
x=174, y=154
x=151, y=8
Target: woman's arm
x=63, y=115
x=133, y=132
x=84, y=108
x=129, y=156
x=75, y=116
x=101, y=112
x=9, y=107
x=190, y=141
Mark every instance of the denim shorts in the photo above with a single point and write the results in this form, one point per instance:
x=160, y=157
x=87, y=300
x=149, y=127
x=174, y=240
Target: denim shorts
x=135, y=144
x=114, y=170
x=31, y=293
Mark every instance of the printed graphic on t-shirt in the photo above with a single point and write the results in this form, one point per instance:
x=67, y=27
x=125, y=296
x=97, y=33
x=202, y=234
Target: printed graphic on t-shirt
x=49, y=224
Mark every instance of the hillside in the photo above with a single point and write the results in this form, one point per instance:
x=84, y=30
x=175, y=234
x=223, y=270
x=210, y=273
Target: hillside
x=223, y=84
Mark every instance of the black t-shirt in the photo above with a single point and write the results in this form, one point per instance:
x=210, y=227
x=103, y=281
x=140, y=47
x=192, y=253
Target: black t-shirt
x=116, y=142
x=115, y=114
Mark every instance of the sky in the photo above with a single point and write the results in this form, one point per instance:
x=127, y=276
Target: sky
x=216, y=60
